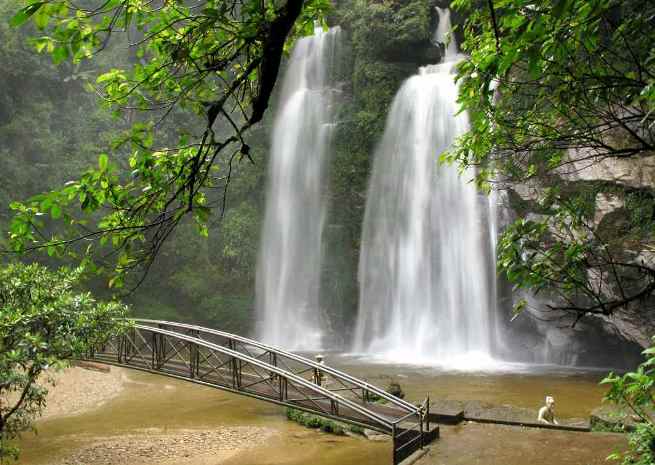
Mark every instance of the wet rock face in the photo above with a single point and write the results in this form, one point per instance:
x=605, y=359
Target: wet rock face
x=392, y=31
x=618, y=187
x=637, y=324
x=616, y=419
x=542, y=337
x=637, y=172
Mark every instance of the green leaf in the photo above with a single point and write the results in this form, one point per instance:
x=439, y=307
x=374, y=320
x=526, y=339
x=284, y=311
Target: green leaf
x=24, y=14
x=202, y=213
x=59, y=54
x=560, y=7
x=614, y=456
x=103, y=162
x=55, y=211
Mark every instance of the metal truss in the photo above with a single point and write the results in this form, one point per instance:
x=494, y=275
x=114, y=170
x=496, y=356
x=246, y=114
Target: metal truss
x=236, y=364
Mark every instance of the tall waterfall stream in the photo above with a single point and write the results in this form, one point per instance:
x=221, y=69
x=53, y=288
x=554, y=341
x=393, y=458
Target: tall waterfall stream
x=288, y=275
x=426, y=267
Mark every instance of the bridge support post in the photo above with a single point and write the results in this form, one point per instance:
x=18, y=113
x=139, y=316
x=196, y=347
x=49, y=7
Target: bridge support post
x=395, y=444
x=158, y=347
x=124, y=346
x=153, y=354
x=236, y=373
x=427, y=414
x=283, y=388
x=233, y=365
x=334, y=407
x=194, y=355
x=420, y=429
x=194, y=360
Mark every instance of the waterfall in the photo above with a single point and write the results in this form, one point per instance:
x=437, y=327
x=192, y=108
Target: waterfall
x=443, y=30
x=288, y=274
x=425, y=272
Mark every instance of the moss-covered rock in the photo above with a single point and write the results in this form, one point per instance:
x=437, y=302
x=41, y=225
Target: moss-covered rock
x=392, y=30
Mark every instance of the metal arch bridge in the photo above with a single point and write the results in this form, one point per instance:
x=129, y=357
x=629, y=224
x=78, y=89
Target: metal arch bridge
x=243, y=366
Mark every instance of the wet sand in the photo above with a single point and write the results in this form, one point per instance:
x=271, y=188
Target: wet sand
x=77, y=390
x=178, y=447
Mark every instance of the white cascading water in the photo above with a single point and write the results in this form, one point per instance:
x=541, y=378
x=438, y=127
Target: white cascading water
x=288, y=274
x=442, y=33
x=425, y=274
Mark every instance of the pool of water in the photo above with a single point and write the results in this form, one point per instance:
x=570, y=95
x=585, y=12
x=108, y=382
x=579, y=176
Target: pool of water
x=576, y=392
x=156, y=402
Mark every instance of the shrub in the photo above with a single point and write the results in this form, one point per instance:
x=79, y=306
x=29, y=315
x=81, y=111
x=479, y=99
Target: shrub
x=634, y=392
x=43, y=323
x=315, y=422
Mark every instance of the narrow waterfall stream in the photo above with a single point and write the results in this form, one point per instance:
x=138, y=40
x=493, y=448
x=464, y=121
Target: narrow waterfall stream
x=288, y=275
x=425, y=272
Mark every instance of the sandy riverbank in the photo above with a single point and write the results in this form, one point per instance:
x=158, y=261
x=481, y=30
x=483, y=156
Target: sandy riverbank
x=180, y=447
x=78, y=390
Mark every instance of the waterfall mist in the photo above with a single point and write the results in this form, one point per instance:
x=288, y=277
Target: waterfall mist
x=288, y=275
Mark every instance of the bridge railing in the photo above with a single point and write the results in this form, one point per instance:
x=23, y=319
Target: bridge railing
x=234, y=363
x=330, y=378
x=183, y=356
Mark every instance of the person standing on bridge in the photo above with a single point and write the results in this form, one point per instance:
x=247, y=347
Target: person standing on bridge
x=319, y=377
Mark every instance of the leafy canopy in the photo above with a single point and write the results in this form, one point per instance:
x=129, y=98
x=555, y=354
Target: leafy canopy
x=210, y=64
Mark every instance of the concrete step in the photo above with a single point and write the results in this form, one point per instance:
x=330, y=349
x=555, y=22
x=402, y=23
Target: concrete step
x=447, y=416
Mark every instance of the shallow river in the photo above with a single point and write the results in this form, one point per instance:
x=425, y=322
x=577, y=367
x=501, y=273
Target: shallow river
x=577, y=392
x=161, y=404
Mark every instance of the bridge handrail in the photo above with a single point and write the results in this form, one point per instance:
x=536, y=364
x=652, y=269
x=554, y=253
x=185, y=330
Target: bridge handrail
x=327, y=369
x=274, y=369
